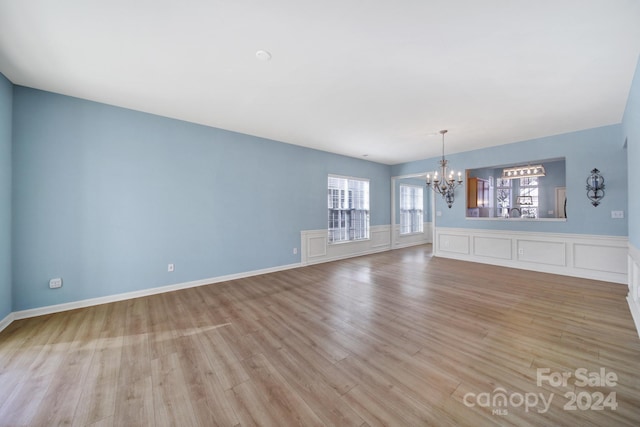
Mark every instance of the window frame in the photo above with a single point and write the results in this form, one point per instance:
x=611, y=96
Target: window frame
x=348, y=215
x=411, y=213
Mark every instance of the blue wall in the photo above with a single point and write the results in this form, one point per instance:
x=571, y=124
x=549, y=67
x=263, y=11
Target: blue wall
x=6, y=100
x=107, y=197
x=631, y=131
x=600, y=147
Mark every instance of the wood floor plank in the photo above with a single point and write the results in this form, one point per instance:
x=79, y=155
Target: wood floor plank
x=60, y=402
x=287, y=406
x=171, y=402
x=135, y=399
x=134, y=403
x=204, y=388
x=315, y=390
x=100, y=387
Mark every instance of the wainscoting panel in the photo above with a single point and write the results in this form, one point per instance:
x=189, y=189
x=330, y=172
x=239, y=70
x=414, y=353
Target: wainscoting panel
x=589, y=256
x=380, y=237
x=453, y=243
x=492, y=247
x=405, y=240
x=542, y=252
x=634, y=285
x=592, y=257
x=315, y=247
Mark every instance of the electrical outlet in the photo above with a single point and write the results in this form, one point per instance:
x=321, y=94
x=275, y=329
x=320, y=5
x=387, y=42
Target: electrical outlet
x=171, y=267
x=55, y=283
x=617, y=214
x=521, y=251
x=295, y=251
x=438, y=213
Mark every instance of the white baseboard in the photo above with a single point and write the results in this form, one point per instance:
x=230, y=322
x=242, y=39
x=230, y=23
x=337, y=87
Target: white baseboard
x=633, y=298
x=6, y=321
x=635, y=314
x=587, y=256
x=23, y=314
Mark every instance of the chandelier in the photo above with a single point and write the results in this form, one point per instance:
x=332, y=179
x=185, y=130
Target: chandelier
x=445, y=183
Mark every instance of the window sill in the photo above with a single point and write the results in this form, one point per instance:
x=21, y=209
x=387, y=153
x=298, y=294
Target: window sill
x=415, y=233
x=516, y=219
x=346, y=242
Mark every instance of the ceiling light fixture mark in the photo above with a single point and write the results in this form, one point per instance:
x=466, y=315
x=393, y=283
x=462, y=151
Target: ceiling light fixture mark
x=263, y=55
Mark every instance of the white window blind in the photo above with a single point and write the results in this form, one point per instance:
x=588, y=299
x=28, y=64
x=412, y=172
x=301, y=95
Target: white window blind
x=411, y=209
x=529, y=188
x=503, y=196
x=348, y=202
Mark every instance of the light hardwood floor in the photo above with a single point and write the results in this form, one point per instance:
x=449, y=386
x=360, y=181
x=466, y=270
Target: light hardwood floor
x=398, y=338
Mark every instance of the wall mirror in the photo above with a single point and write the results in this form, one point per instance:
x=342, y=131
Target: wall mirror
x=528, y=190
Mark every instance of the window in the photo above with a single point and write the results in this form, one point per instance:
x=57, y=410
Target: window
x=348, y=201
x=503, y=196
x=529, y=189
x=411, y=209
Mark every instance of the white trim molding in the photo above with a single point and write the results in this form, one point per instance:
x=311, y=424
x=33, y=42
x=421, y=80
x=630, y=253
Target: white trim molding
x=587, y=256
x=315, y=246
x=6, y=321
x=633, y=298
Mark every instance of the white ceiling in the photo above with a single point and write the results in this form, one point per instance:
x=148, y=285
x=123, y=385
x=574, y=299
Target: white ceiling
x=375, y=77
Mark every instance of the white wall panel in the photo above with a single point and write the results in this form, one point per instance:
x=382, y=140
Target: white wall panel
x=542, y=252
x=492, y=247
x=453, y=243
x=317, y=246
x=380, y=237
x=594, y=257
